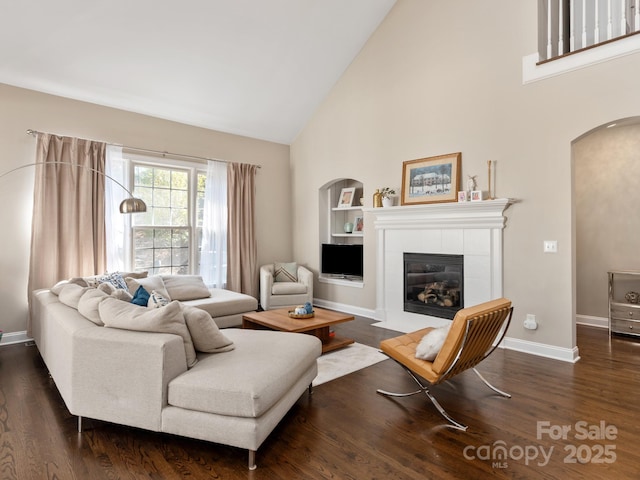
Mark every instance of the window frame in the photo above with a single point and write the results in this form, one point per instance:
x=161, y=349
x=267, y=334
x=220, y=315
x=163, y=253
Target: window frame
x=193, y=169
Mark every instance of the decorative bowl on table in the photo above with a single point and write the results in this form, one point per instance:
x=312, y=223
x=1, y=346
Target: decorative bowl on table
x=293, y=314
x=302, y=311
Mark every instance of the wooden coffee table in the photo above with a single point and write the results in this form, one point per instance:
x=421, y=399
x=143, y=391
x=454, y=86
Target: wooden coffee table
x=318, y=325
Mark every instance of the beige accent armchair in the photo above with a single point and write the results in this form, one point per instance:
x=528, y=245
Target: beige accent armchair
x=285, y=294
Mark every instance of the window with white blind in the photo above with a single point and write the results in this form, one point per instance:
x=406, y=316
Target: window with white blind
x=166, y=237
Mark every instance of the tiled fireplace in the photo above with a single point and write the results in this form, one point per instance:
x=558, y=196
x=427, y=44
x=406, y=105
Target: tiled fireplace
x=433, y=284
x=472, y=230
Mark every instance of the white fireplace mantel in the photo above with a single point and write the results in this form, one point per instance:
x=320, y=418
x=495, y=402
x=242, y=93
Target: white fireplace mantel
x=485, y=214
x=471, y=229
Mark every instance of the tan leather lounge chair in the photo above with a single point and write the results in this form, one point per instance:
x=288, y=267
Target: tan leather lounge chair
x=474, y=334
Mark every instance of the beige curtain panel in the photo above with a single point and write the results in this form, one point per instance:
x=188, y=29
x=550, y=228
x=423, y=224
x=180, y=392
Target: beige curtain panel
x=68, y=233
x=242, y=249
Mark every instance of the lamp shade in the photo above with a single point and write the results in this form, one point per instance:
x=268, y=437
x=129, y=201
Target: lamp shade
x=133, y=205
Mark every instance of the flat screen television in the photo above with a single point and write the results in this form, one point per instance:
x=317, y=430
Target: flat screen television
x=341, y=260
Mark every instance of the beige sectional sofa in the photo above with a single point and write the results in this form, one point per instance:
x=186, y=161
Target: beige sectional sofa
x=145, y=379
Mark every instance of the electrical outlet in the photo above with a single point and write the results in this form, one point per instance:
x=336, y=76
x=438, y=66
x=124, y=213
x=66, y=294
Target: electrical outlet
x=530, y=322
x=550, y=246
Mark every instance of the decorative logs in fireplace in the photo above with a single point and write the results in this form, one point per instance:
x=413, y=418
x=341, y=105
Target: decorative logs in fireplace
x=433, y=284
x=440, y=293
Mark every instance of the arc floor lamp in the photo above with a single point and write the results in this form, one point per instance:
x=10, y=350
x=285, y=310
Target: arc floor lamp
x=128, y=205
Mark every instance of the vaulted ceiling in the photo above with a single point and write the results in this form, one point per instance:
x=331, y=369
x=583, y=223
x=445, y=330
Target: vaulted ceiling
x=257, y=68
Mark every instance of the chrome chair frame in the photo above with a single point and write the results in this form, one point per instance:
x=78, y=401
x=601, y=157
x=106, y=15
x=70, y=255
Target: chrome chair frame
x=445, y=376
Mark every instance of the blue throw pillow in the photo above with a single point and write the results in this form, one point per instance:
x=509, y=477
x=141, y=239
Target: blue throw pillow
x=141, y=297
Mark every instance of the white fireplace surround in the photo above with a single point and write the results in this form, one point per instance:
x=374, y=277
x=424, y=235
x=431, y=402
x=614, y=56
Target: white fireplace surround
x=471, y=229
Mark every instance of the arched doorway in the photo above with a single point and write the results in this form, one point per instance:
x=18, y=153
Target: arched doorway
x=606, y=169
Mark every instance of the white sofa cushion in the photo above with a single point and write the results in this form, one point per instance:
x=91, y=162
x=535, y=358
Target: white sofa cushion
x=205, y=334
x=118, y=293
x=70, y=294
x=57, y=288
x=127, y=316
x=288, y=288
x=89, y=302
x=225, y=302
x=249, y=380
x=185, y=287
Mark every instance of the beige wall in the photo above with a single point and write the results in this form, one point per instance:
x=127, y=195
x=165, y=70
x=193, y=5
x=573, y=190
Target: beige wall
x=440, y=77
x=23, y=109
x=606, y=170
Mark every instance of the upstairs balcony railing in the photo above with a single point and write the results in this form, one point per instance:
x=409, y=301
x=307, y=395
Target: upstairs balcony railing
x=569, y=26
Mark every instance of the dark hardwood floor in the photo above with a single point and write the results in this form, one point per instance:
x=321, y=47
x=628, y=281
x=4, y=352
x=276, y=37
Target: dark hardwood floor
x=346, y=431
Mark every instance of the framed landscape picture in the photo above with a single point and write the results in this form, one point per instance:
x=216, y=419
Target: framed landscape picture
x=431, y=180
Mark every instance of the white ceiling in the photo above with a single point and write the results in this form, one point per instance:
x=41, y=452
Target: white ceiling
x=257, y=68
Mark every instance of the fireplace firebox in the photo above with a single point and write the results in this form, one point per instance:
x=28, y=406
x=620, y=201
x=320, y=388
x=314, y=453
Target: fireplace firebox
x=433, y=284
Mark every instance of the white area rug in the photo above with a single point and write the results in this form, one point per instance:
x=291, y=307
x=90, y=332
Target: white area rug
x=347, y=360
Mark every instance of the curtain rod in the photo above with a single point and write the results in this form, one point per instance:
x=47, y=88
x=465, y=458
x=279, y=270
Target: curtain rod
x=33, y=133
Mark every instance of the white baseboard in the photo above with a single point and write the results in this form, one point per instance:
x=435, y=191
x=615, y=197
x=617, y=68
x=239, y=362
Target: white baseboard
x=541, y=349
x=592, y=321
x=14, y=337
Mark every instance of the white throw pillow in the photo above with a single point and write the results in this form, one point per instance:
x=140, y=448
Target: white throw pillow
x=150, y=284
x=70, y=294
x=144, y=274
x=115, y=279
x=119, y=293
x=205, y=334
x=107, y=288
x=57, y=288
x=123, y=295
x=432, y=343
x=88, y=304
x=285, y=272
x=185, y=287
x=127, y=316
x=156, y=300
